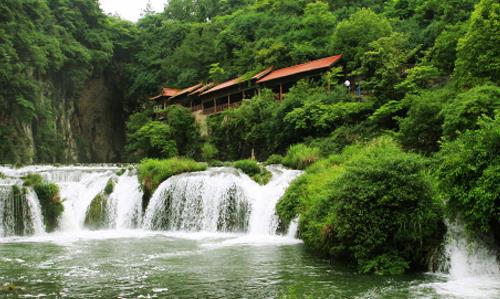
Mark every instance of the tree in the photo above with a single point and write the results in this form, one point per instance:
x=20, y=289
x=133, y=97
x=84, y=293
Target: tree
x=468, y=170
x=478, y=54
x=353, y=36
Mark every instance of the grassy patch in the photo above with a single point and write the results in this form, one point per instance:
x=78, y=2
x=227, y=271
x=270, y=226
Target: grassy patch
x=152, y=172
x=301, y=156
x=254, y=170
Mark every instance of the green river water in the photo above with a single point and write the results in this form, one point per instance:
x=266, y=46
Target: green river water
x=138, y=264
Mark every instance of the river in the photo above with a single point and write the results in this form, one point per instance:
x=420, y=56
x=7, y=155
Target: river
x=210, y=234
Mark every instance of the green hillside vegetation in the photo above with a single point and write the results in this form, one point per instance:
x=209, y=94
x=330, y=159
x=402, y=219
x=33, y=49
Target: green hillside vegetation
x=382, y=170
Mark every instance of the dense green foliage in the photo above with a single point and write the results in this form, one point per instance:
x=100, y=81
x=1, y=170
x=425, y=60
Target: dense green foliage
x=300, y=156
x=428, y=72
x=49, y=50
x=177, y=134
x=373, y=204
x=50, y=200
x=468, y=170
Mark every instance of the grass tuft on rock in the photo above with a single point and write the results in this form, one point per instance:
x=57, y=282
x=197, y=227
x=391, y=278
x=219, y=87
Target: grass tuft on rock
x=49, y=198
x=254, y=170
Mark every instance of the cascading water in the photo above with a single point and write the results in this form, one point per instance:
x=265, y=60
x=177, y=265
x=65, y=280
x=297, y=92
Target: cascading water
x=218, y=199
x=78, y=186
x=125, y=208
x=471, y=268
x=20, y=212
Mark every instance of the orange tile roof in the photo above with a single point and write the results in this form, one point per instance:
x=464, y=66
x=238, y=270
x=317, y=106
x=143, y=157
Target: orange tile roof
x=301, y=68
x=202, y=89
x=223, y=85
x=169, y=92
x=187, y=90
x=236, y=81
x=263, y=73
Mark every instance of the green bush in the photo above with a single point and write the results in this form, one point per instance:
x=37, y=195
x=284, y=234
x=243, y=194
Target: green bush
x=421, y=129
x=372, y=204
x=274, y=159
x=466, y=109
x=254, y=170
x=250, y=167
x=152, y=172
x=300, y=156
x=208, y=152
x=49, y=198
x=468, y=170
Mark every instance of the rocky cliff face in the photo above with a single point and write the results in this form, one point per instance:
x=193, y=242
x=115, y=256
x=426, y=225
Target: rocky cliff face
x=87, y=127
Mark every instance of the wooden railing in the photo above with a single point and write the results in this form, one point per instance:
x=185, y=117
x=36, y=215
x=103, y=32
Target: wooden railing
x=197, y=107
x=220, y=108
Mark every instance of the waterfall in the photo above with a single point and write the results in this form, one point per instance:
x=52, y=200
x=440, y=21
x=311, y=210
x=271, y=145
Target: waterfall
x=471, y=267
x=263, y=219
x=20, y=212
x=293, y=228
x=78, y=195
x=218, y=199
x=125, y=209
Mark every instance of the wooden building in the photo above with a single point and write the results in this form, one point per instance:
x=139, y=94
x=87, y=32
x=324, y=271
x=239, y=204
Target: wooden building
x=210, y=98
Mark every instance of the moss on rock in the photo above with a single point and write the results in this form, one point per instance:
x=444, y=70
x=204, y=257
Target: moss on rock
x=96, y=217
x=49, y=198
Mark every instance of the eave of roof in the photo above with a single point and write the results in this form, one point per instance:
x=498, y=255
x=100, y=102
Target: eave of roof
x=223, y=85
x=301, y=68
x=262, y=74
x=202, y=89
x=169, y=92
x=237, y=81
x=187, y=90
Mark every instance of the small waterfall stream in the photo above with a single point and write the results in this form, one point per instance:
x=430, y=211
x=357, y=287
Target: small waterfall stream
x=218, y=199
x=471, y=267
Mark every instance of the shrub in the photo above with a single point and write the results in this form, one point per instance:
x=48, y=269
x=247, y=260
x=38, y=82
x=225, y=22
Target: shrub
x=250, y=167
x=421, y=129
x=468, y=170
x=152, y=172
x=274, y=159
x=208, y=152
x=467, y=108
x=49, y=198
x=300, y=156
x=372, y=204
x=254, y=170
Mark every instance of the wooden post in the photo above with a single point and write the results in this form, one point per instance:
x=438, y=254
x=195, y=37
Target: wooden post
x=228, y=100
x=281, y=91
x=243, y=94
x=215, y=105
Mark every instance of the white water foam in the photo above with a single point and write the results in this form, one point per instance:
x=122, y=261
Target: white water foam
x=218, y=199
x=78, y=195
x=293, y=228
x=36, y=217
x=471, y=269
x=125, y=209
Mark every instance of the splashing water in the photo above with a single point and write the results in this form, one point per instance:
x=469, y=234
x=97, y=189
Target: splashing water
x=125, y=209
x=20, y=212
x=471, y=268
x=218, y=199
